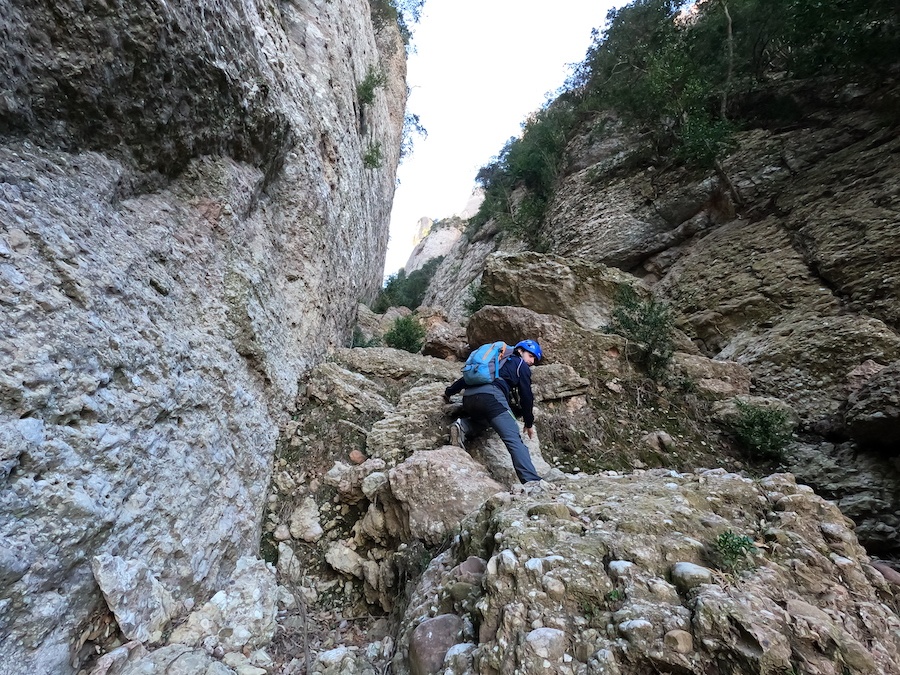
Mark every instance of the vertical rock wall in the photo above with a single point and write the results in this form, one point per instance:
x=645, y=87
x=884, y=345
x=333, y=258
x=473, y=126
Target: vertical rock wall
x=186, y=224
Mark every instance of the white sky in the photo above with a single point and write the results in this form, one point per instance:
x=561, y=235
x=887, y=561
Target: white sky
x=480, y=67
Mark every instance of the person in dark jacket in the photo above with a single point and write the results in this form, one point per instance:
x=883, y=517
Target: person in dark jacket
x=490, y=404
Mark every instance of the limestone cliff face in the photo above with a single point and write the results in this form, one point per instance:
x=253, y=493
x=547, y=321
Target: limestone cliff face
x=184, y=195
x=437, y=241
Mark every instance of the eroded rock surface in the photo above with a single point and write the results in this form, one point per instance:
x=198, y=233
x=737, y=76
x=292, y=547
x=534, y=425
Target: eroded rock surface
x=621, y=573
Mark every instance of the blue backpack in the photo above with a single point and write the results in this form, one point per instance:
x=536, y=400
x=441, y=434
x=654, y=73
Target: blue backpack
x=483, y=365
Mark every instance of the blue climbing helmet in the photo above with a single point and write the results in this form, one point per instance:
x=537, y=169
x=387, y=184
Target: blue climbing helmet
x=531, y=346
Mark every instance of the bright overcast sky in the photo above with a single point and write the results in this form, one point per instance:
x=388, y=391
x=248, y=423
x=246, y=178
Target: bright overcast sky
x=479, y=68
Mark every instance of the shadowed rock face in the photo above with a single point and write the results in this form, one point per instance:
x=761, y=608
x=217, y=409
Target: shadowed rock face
x=162, y=82
x=873, y=412
x=180, y=185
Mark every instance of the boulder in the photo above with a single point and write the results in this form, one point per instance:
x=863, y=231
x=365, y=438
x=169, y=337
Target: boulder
x=240, y=615
x=430, y=642
x=330, y=383
x=368, y=323
x=417, y=423
x=304, y=521
x=577, y=290
x=438, y=488
x=173, y=660
x=395, y=364
x=348, y=479
x=716, y=379
x=345, y=559
x=142, y=606
x=556, y=381
x=443, y=340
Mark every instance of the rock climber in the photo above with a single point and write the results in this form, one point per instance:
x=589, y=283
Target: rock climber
x=492, y=404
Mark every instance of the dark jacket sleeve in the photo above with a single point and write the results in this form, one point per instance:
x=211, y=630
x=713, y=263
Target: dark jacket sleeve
x=526, y=397
x=516, y=374
x=455, y=388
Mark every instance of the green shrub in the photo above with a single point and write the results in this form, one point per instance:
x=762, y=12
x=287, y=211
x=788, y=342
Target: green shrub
x=730, y=551
x=764, y=432
x=412, y=128
x=401, y=12
x=649, y=324
x=533, y=161
x=406, y=333
x=401, y=290
x=703, y=140
x=615, y=595
x=365, y=90
x=359, y=340
x=372, y=157
x=476, y=300
x=675, y=80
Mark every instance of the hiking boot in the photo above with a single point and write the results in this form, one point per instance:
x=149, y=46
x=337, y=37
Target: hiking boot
x=457, y=435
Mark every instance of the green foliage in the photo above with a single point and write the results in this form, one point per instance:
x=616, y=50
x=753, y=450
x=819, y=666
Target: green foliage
x=268, y=548
x=402, y=12
x=406, y=333
x=730, y=551
x=365, y=90
x=373, y=158
x=359, y=340
x=648, y=323
x=412, y=128
x=703, y=140
x=764, y=432
x=477, y=299
x=533, y=161
x=588, y=608
x=615, y=595
x=401, y=290
x=675, y=76
x=809, y=37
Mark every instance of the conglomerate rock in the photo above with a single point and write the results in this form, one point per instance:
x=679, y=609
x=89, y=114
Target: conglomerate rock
x=438, y=488
x=577, y=290
x=864, y=485
x=631, y=573
x=873, y=413
x=783, y=258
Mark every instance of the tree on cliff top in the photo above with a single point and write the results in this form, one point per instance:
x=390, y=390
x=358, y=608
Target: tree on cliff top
x=673, y=69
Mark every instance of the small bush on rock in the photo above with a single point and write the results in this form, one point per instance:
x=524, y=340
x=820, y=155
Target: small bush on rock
x=373, y=158
x=406, y=333
x=647, y=322
x=730, y=551
x=476, y=299
x=764, y=432
x=365, y=90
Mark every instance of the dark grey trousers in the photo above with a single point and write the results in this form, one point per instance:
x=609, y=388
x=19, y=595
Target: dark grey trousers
x=487, y=406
